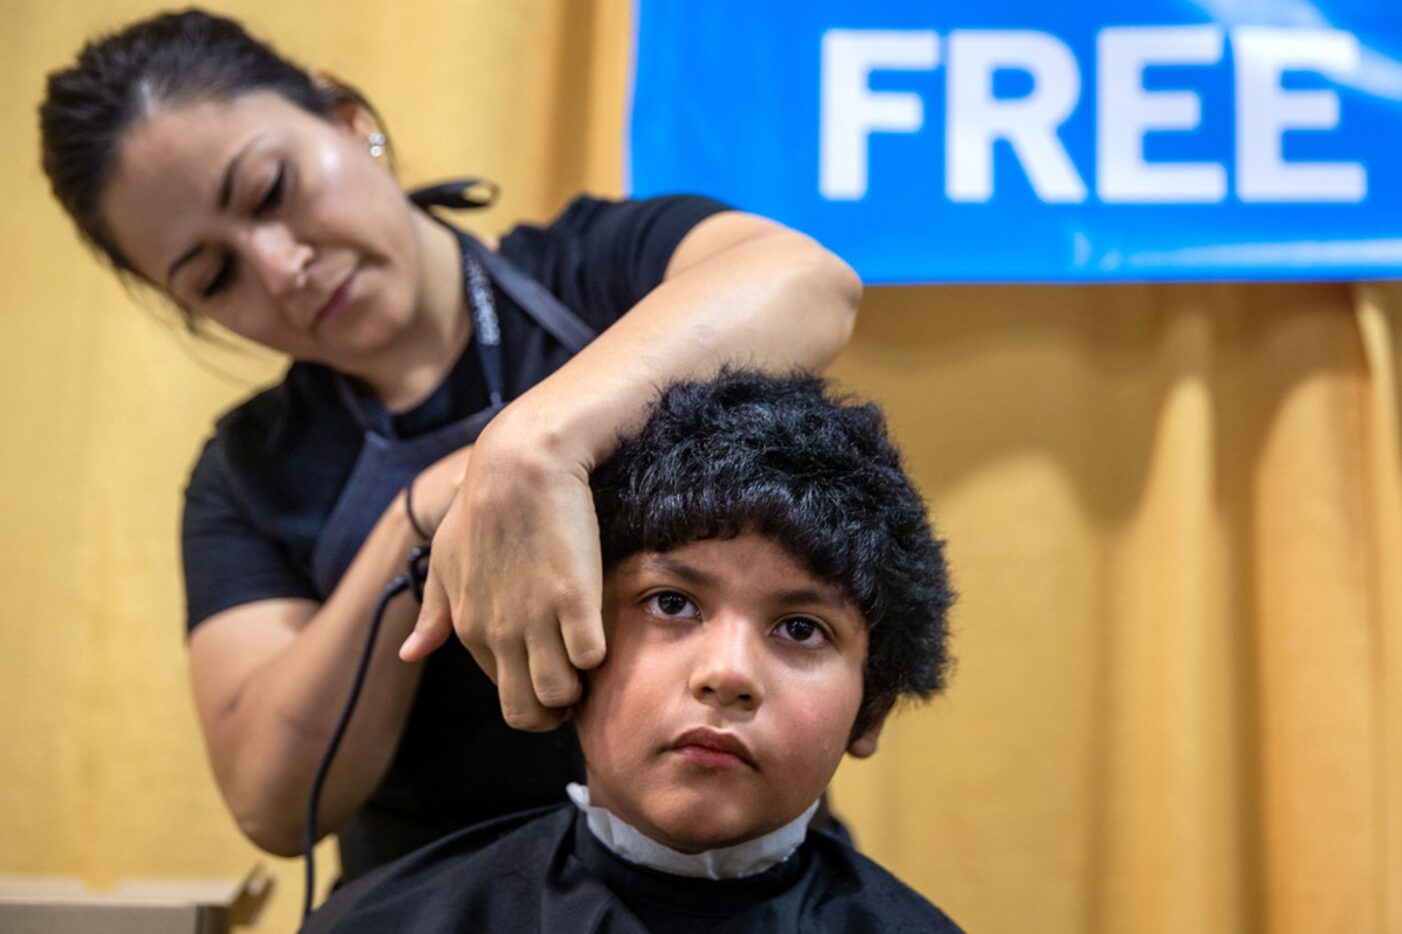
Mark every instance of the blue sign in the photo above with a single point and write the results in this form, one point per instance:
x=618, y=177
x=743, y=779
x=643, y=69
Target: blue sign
x=1017, y=141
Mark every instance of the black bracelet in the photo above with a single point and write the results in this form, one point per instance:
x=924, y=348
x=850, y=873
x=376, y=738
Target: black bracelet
x=418, y=570
x=409, y=510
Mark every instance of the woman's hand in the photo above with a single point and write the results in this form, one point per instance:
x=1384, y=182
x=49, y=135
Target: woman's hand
x=516, y=572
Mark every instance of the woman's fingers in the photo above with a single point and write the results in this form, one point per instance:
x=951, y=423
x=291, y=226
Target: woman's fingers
x=553, y=678
x=434, y=626
x=484, y=658
x=583, y=636
x=520, y=707
x=578, y=590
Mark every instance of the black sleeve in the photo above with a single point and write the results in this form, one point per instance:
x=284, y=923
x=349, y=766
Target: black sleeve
x=601, y=257
x=228, y=561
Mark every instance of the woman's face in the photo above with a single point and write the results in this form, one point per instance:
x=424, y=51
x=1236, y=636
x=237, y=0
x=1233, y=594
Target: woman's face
x=271, y=221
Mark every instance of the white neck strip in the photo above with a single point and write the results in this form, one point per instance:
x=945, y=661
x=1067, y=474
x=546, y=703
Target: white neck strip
x=731, y=862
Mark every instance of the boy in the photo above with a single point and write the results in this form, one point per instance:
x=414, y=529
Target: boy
x=771, y=588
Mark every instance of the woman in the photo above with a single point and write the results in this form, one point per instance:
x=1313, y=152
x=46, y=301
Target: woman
x=439, y=390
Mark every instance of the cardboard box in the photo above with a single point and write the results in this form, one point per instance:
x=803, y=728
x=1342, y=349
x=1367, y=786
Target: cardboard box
x=60, y=905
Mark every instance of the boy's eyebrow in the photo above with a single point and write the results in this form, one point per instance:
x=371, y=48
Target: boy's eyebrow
x=825, y=596
x=680, y=568
x=828, y=598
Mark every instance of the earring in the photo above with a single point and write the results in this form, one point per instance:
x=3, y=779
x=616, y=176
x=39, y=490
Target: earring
x=377, y=142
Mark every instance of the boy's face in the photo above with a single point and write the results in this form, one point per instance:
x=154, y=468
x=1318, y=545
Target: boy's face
x=732, y=682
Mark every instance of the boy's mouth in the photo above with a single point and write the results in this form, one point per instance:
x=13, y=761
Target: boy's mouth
x=713, y=748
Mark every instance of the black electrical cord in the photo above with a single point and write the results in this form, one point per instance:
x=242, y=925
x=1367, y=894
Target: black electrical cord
x=412, y=580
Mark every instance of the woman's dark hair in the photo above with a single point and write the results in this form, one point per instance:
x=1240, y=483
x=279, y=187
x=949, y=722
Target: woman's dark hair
x=816, y=473
x=120, y=79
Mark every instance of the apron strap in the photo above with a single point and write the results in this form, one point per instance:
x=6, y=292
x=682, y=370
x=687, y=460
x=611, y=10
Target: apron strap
x=535, y=299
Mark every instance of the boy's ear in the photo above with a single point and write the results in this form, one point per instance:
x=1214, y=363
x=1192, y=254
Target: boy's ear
x=865, y=745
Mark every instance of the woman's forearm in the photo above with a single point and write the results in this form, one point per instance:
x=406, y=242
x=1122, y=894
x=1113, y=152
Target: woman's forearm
x=762, y=296
x=272, y=677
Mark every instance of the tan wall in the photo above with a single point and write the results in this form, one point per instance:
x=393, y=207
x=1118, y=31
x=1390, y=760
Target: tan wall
x=1173, y=514
x=1176, y=520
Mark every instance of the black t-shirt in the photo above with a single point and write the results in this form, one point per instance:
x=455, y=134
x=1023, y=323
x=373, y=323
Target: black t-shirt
x=267, y=481
x=545, y=871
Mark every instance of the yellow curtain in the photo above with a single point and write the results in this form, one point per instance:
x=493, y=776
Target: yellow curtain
x=1174, y=513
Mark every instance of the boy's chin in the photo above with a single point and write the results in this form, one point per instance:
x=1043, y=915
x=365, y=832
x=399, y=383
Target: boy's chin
x=696, y=830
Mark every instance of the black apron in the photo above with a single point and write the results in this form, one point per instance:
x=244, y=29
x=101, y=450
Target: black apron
x=457, y=762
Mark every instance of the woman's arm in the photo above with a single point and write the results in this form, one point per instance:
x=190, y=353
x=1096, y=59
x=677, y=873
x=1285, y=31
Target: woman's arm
x=270, y=679
x=516, y=567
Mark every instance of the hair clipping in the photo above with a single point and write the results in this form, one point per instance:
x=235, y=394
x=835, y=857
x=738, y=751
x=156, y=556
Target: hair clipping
x=461, y=194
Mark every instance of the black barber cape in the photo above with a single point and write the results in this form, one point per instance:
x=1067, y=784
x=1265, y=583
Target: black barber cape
x=545, y=871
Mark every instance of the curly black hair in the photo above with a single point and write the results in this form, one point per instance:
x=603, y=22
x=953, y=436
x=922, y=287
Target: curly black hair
x=815, y=471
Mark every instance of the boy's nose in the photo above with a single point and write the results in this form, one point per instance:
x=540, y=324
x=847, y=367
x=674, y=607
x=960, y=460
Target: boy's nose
x=728, y=669
x=279, y=258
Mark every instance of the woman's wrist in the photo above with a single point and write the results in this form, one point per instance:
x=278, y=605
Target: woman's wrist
x=543, y=432
x=425, y=500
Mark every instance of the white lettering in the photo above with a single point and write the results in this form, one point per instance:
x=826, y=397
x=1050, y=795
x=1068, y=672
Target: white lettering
x=851, y=111
x=1265, y=111
x=975, y=119
x=1125, y=112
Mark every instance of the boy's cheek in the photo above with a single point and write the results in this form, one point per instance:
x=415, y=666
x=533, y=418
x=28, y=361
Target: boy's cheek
x=810, y=743
x=602, y=716
x=596, y=684
x=823, y=712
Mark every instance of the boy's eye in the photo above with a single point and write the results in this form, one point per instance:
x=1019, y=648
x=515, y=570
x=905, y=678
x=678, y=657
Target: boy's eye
x=804, y=631
x=671, y=604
